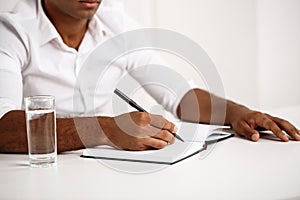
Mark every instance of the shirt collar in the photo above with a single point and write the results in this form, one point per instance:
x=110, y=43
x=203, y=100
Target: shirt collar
x=96, y=29
x=46, y=28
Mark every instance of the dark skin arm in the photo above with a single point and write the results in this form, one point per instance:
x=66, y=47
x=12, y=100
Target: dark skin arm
x=140, y=131
x=244, y=121
x=14, y=138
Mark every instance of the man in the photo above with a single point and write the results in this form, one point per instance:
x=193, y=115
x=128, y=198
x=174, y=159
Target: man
x=42, y=47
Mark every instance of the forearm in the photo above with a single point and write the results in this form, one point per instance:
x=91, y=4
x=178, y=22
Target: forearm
x=79, y=133
x=13, y=133
x=201, y=106
x=85, y=133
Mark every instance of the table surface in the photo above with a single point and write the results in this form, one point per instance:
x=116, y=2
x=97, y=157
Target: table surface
x=231, y=169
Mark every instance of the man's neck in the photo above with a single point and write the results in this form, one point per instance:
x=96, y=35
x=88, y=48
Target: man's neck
x=71, y=30
x=73, y=33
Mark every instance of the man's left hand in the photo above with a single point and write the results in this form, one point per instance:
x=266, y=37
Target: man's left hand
x=248, y=123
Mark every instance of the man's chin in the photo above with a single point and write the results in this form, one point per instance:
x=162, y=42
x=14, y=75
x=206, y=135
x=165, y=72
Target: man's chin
x=86, y=14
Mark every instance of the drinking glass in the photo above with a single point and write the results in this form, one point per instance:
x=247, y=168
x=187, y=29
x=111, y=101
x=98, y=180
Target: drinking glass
x=41, y=130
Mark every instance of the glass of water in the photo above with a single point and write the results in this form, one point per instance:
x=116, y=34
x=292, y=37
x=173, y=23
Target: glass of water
x=41, y=130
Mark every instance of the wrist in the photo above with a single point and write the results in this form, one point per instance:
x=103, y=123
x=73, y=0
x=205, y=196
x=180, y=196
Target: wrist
x=106, y=125
x=234, y=111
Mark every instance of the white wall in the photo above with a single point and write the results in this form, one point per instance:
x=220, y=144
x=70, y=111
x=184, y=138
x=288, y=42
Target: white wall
x=255, y=44
x=279, y=52
x=226, y=30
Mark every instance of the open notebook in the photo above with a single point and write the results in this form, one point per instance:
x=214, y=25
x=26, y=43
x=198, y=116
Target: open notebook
x=194, y=135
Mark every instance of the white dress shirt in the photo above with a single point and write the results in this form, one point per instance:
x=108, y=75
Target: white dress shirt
x=35, y=61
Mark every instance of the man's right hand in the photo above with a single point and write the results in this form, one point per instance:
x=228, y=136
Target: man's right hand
x=138, y=131
x=130, y=131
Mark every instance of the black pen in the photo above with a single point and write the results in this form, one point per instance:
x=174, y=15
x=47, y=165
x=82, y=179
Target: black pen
x=136, y=106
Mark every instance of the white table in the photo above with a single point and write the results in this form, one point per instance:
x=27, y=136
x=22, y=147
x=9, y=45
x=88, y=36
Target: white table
x=232, y=169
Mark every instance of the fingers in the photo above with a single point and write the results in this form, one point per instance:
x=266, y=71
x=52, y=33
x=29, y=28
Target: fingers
x=255, y=120
x=151, y=143
x=266, y=122
x=161, y=134
x=140, y=144
x=142, y=131
x=146, y=144
x=287, y=127
x=248, y=132
x=161, y=123
x=158, y=127
x=165, y=136
x=160, y=140
x=127, y=142
x=143, y=119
